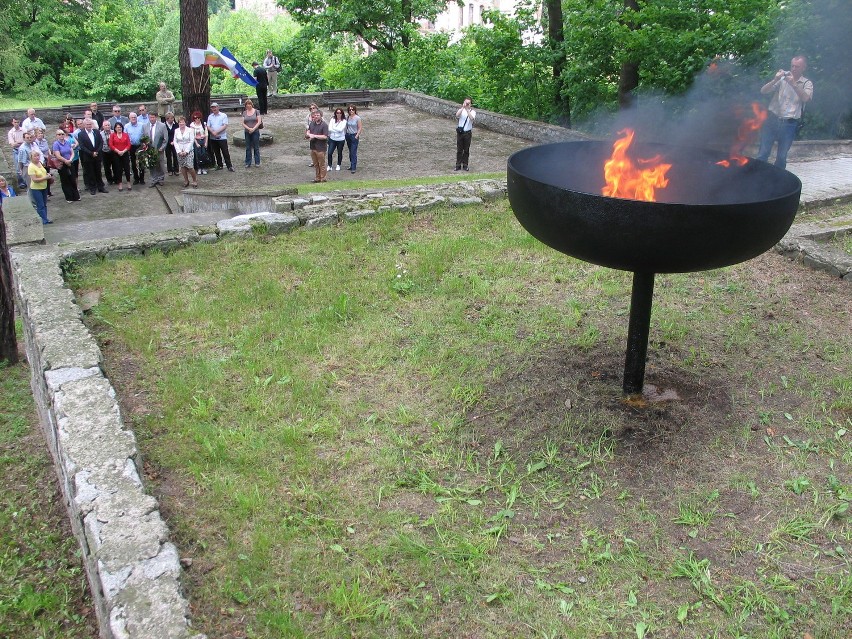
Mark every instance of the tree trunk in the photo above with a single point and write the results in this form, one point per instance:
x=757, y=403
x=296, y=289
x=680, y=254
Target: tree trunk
x=556, y=37
x=406, y=12
x=195, y=83
x=628, y=77
x=8, y=342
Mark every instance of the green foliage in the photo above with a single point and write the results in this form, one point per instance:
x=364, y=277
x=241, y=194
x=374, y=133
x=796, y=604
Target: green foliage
x=120, y=36
x=164, y=65
x=302, y=62
x=36, y=39
x=516, y=67
x=673, y=40
x=384, y=25
x=415, y=66
x=248, y=38
x=820, y=29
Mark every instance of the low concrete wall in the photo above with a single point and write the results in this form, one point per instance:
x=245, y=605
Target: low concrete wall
x=243, y=201
x=132, y=568
x=506, y=124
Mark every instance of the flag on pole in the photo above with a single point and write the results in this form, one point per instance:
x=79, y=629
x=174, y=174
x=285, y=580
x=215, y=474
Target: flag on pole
x=239, y=70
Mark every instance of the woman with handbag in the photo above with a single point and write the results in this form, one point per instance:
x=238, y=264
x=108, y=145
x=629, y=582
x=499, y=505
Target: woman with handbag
x=252, y=123
x=119, y=142
x=199, y=129
x=38, y=185
x=63, y=157
x=184, y=143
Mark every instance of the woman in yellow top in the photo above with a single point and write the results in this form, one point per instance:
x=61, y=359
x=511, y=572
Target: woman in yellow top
x=38, y=185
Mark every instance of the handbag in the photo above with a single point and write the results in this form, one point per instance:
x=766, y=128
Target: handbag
x=54, y=163
x=460, y=129
x=50, y=179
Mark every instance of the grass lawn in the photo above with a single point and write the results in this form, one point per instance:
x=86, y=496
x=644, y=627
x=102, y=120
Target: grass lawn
x=413, y=426
x=43, y=592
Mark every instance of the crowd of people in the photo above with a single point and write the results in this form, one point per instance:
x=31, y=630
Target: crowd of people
x=119, y=149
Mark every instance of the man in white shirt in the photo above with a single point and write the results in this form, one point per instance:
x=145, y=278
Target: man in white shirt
x=217, y=131
x=272, y=65
x=32, y=122
x=16, y=139
x=790, y=92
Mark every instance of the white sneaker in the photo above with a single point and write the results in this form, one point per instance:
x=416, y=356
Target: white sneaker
x=337, y=168
x=328, y=168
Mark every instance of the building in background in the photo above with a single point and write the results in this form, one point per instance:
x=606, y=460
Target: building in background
x=453, y=20
x=457, y=17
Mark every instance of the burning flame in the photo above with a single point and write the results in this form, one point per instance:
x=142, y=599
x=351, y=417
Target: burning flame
x=745, y=135
x=624, y=179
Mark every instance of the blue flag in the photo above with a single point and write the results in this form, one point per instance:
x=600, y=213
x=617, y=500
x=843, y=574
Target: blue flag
x=239, y=70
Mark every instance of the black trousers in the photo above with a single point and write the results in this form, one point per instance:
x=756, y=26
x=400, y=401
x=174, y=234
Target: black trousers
x=107, y=162
x=463, y=148
x=120, y=165
x=171, y=159
x=69, y=183
x=219, y=148
x=92, y=172
x=261, y=97
x=137, y=168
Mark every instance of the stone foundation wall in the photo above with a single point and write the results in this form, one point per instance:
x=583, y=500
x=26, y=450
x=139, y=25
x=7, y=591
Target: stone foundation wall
x=132, y=568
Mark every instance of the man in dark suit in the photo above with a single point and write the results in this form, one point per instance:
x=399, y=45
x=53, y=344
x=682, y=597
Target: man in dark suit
x=159, y=140
x=91, y=146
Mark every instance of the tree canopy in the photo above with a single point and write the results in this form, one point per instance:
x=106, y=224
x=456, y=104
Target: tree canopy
x=519, y=64
x=382, y=24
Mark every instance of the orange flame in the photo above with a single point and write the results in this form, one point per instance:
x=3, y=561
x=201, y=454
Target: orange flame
x=624, y=179
x=745, y=135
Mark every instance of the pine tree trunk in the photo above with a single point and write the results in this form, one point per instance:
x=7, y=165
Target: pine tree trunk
x=628, y=77
x=8, y=342
x=557, y=40
x=195, y=83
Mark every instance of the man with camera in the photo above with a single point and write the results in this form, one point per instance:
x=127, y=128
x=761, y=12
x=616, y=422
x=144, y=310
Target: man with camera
x=464, y=132
x=790, y=91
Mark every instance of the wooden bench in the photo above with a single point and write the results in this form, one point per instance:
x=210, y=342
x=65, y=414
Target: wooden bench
x=77, y=111
x=232, y=101
x=347, y=96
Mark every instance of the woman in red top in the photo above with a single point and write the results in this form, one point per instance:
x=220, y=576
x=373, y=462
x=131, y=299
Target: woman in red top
x=119, y=142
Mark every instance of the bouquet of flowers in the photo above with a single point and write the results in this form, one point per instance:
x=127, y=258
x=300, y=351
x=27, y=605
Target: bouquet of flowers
x=147, y=155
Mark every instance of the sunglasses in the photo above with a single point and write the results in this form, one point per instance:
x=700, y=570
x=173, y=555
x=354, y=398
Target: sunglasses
x=60, y=134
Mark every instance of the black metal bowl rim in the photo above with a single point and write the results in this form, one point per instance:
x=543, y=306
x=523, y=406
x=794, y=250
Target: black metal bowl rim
x=682, y=149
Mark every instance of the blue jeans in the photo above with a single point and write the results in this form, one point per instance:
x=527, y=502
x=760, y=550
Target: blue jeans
x=778, y=130
x=39, y=198
x=253, y=145
x=332, y=145
x=352, y=145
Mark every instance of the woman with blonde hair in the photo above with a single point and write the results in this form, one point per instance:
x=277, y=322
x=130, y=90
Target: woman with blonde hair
x=252, y=123
x=184, y=141
x=38, y=185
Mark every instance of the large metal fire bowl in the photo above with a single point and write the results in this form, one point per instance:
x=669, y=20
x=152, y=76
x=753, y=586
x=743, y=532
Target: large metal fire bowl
x=708, y=216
